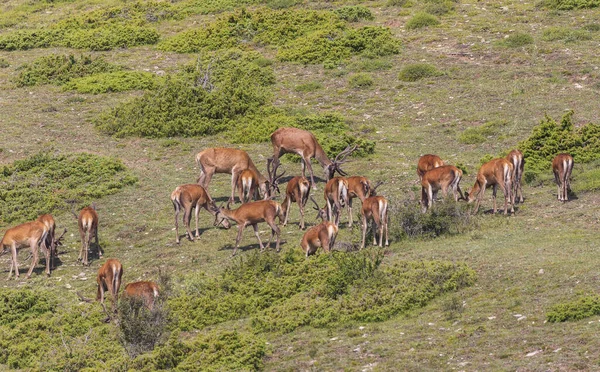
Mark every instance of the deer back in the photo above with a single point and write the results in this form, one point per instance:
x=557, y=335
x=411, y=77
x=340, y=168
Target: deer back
x=23, y=234
x=428, y=162
x=88, y=218
x=297, y=141
x=109, y=275
x=358, y=187
x=562, y=163
x=224, y=160
x=440, y=177
x=253, y=212
x=145, y=290
x=336, y=189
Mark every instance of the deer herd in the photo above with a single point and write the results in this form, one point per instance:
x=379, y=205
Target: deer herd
x=252, y=186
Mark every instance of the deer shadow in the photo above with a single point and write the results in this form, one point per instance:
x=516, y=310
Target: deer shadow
x=231, y=247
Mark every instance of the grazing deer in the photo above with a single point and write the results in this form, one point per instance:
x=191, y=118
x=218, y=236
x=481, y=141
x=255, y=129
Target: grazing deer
x=231, y=161
x=247, y=185
x=495, y=173
x=251, y=214
x=88, y=228
x=359, y=187
x=51, y=242
x=428, y=162
x=321, y=235
x=562, y=166
x=109, y=279
x=146, y=291
x=440, y=178
x=297, y=190
x=375, y=208
x=187, y=197
x=304, y=143
x=336, y=196
x=518, y=162
x=30, y=234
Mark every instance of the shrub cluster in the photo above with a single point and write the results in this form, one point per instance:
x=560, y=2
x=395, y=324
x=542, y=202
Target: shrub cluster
x=516, y=40
x=354, y=13
x=421, y=20
x=480, y=134
x=565, y=34
x=578, y=309
x=360, y=80
x=43, y=183
x=109, y=82
x=418, y=71
x=571, y=4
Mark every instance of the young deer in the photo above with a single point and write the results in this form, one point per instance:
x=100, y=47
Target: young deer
x=51, y=242
x=518, y=162
x=562, y=166
x=359, y=187
x=336, y=196
x=297, y=190
x=30, y=234
x=495, y=173
x=251, y=214
x=322, y=235
x=109, y=279
x=88, y=228
x=247, y=186
x=440, y=178
x=186, y=197
x=146, y=291
x=428, y=162
x=375, y=208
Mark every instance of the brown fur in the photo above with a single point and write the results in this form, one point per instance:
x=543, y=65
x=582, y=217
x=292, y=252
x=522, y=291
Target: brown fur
x=428, y=162
x=109, y=279
x=297, y=190
x=562, y=166
x=247, y=185
x=336, y=196
x=375, y=208
x=321, y=235
x=88, y=228
x=30, y=234
x=147, y=291
x=495, y=173
x=358, y=187
x=518, y=162
x=440, y=178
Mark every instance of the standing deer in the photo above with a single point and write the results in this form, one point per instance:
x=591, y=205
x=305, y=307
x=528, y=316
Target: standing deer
x=88, y=228
x=495, y=173
x=375, y=208
x=186, y=197
x=440, y=178
x=359, y=187
x=428, y=162
x=109, y=279
x=304, y=143
x=146, y=291
x=247, y=185
x=518, y=162
x=251, y=214
x=51, y=242
x=297, y=190
x=30, y=234
x=231, y=161
x=336, y=196
x=562, y=166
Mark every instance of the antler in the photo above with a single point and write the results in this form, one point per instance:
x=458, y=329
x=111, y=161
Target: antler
x=340, y=158
x=313, y=200
x=273, y=176
x=379, y=183
x=58, y=241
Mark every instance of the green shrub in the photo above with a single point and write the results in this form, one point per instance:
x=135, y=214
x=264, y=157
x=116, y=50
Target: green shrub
x=59, y=69
x=43, y=183
x=371, y=65
x=481, y=134
x=309, y=87
x=119, y=81
x=578, y=309
x=439, y=8
x=565, y=34
x=587, y=177
x=421, y=20
x=417, y=72
x=354, y=13
x=282, y=4
x=396, y=2
x=360, y=81
x=571, y=4
x=516, y=40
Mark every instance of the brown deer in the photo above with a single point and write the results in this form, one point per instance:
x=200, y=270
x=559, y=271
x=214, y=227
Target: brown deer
x=251, y=214
x=440, y=178
x=359, y=187
x=428, y=162
x=562, y=166
x=109, y=279
x=518, y=162
x=297, y=190
x=322, y=235
x=247, y=186
x=336, y=196
x=495, y=173
x=186, y=197
x=304, y=143
x=231, y=161
x=51, y=241
x=29, y=234
x=146, y=291
x=375, y=208
x=88, y=228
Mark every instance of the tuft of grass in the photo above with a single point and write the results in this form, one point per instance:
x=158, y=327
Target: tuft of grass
x=565, y=34
x=421, y=20
x=516, y=40
x=309, y=87
x=481, y=134
x=361, y=81
x=417, y=72
x=4, y=63
x=119, y=81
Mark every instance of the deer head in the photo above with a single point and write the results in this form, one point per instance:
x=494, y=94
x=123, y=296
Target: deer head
x=273, y=176
x=340, y=159
x=373, y=190
x=321, y=212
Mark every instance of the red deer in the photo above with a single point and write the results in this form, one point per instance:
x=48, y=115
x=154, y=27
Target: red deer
x=251, y=214
x=562, y=166
x=428, y=162
x=186, y=197
x=375, y=208
x=322, y=235
x=145, y=291
x=231, y=161
x=495, y=173
x=88, y=228
x=247, y=185
x=297, y=190
x=336, y=196
x=440, y=178
x=30, y=234
x=51, y=242
x=109, y=279
x=359, y=187
x=518, y=162
x=304, y=143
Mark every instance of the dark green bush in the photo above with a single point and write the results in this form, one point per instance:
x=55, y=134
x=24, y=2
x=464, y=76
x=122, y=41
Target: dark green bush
x=421, y=20
x=141, y=329
x=360, y=81
x=282, y=4
x=59, y=69
x=516, y=40
x=43, y=183
x=417, y=72
x=354, y=13
x=578, y=309
x=571, y=4
x=119, y=81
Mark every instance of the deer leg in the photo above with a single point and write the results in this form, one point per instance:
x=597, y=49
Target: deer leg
x=255, y=227
x=35, y=259
x=479, y=197
x=187, y=217
x=287, y=203
x=274, y=230
x=312, y=176
x=196, y=212
x=494, y=190
x=177, y=208
x=349, y=212
x=364, y=231
x=82, y=236
x=238, y=238
x=13, y=261
x=375, y=229
x=301, y=206
x=385, y=222
x=206, y=176
x=329, y=216
x=47, y=254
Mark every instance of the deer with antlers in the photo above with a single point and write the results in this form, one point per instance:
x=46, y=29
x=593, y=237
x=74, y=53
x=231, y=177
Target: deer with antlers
x=428, y=162
x=304, y=143
x=336, y=197
x=251, y=214
x=231, y=161
x=518, y=162
x=186, y=197
x=375, y=208
x=109, y=279
x=562, y=166
x=359, y=187
x=30, y=234
x=495, y=173
x=446, y=177
x=321, y=235
x=146, y=291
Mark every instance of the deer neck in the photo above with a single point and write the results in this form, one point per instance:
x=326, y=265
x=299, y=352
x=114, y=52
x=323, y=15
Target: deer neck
x=322, y=157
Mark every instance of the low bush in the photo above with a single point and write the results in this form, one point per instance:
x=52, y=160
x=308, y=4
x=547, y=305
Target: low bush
x=516, y=40
x=119, y=81
x=309, y=87
x=354, y=13
x=421, y=20
x=578, y=309
x=59, y=69
x=565, y=34
x=361, y=81
x=417, y=72
x=481, y=133
x=43, y=183
x=571, y=4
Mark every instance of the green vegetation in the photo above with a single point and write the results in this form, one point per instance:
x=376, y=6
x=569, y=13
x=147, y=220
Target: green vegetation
x=119, y=81
x=361, y=81
x=571, y=4
x=581, y=308
x=418, y=71
x=59, y=69
x=481, y=133
x=421, y=20
x=516, y=40
x=354, y=13
x=565, y=34
x=43, y=183
x=309, y=87
x=4, y=63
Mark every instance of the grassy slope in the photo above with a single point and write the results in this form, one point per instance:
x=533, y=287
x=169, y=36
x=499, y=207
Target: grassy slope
x=543, y=255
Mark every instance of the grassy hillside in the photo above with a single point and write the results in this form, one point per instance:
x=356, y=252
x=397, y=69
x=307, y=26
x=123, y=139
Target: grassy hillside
x=141, y=87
